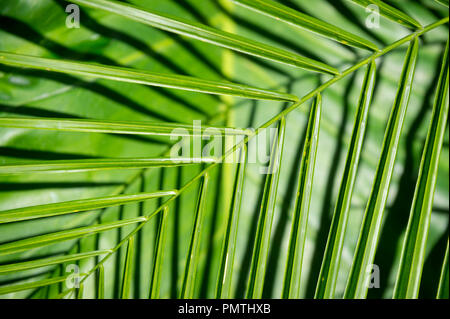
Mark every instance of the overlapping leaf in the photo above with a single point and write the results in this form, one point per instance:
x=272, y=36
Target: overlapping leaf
x=223, y=290
x=118, y=127
x=291, y=288
x=55, y=209
x=65, y=166
x=141, y=77
x=296, y=18
x=262, y=240
x=208, y=34
x=326, y=284
x=357, y=284
x=390, y=12
x=190, y=270
x=413, y=254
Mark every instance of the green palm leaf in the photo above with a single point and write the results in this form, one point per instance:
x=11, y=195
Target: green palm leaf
x=223, y=289
x=128, y=270
x=443, y=281
x=294, y=263
x=39, y=241
x=390, y=13
x=101, y=283
x=358, y=280
x=413, y=255
x=55, y=209
x=141, y=77
x=274, y=241
x=190, y=270
x=281, y=12
x=207, y=34
x=262, y=240
x=7, y=289
x=117, y=127
x=64, y=166
x=443, y=2
x=155, y=282
x=26, y=265
x=330, y=266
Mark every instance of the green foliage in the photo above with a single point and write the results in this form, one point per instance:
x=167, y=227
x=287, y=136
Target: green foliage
x=192, y=261
x=292, y=278
x=357, y=285
x=390, y=13
x=413, y=254
x=333, y=251
x=262, y=240
x=86, y=129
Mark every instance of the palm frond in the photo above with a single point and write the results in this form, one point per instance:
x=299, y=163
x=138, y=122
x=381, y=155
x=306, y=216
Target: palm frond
x=26, y=265
x=358, y=280
x=141, y=77
x=207, y=34
x=262, y=240
x=101, y=283
x=65, y=166
x=7, y=289
x=443, y=2
x=128, y=270
x=44, y=118
x=390, y=13
x=326, y=284
x=57, y=237
x=294, y=262
x=296, y=18
x=55, y=209
x=118, y=127
x=158, y=256
x=444, y=279
x=413, y=255
x=190, y=270
x=224, y=277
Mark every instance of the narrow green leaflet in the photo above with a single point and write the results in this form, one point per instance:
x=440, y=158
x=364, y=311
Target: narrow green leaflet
x=358, y=280
x=413, y=254
x=390, y=12
x=193, y=256
x=26, y=265
x=128, y=270
x=80, y=291
x=296, y=18
x=443, y=2
x=223, y=289
x=101, y=282
x=155, y=282
x=207, y=34
x=329, y=271
x=55, y=209
x=47, y=239
x=117, y=127
x=444, y=280
x=292, y=276
x=65, y=166
x=99, y=71
x=31, y=285
x=262, y=240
